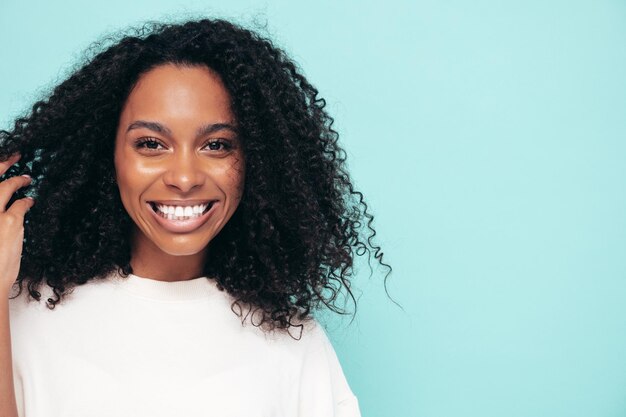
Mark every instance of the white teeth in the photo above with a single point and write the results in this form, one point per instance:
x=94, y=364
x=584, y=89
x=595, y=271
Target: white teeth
x=178, y=212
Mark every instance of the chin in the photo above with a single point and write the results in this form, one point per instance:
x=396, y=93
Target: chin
x=174, y=248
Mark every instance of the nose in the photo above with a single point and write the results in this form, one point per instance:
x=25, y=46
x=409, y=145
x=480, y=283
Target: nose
x=183, y=172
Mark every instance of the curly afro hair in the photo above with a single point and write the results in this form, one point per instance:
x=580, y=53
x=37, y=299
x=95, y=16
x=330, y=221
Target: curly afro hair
x=290, y=245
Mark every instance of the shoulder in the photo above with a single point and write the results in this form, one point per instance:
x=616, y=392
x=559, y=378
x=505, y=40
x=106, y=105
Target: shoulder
x=21, y=302
x=307, y=334
x=324, y=388
x=76, y=301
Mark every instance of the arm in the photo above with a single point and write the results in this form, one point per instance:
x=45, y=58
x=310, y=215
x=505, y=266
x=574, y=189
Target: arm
x=8, y=407
x=11, y=241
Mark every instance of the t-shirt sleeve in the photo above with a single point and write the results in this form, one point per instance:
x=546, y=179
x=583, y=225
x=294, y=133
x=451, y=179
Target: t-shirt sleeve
x=324, y=390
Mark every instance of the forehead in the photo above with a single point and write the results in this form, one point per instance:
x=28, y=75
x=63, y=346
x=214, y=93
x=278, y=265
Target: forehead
x=179, y=93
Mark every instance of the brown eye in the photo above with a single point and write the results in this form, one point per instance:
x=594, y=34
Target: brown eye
x=215, y=145
x=148, y=143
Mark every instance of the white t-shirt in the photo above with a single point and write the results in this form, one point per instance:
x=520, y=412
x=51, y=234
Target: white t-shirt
x=146, y=348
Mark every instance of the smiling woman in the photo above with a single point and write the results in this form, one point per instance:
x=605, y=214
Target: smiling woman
x=189, y=216
x=180, y=192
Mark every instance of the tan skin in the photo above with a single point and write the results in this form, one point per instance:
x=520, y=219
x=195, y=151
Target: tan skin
x=185, y=108
x=11, y=238
x=11, y=224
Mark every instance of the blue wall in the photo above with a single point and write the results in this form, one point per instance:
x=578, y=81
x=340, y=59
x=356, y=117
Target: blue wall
x=490, y=141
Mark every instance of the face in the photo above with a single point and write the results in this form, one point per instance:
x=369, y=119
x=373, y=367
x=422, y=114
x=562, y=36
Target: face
x=178, y=162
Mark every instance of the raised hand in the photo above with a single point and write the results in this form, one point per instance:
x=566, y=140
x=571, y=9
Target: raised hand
x=11, y=225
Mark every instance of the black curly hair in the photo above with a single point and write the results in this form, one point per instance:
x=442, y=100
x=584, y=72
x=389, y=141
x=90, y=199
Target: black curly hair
x=290, y=245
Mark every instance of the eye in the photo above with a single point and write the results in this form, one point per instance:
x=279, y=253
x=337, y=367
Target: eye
x=147, y=143
x=214, y=145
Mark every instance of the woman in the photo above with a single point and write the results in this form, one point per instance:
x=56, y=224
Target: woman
x=192, y=211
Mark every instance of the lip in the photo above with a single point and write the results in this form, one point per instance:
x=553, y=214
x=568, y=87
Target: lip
x=181, y=202
x=182, y=226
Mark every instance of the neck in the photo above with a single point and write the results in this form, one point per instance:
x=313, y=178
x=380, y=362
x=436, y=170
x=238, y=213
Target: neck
x=149, y=261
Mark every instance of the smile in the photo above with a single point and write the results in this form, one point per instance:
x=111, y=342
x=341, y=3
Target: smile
x=180, y=212
x=182, y=218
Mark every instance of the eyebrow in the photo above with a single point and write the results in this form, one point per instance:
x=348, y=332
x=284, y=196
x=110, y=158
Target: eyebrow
x=207, y=129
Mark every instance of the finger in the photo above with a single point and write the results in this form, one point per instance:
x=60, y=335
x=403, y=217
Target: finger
x=21, y=206
x=9, y=187
x=4, y=165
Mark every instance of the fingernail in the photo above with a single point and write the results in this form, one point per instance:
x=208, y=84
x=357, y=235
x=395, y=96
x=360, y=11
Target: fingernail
x=27, y=176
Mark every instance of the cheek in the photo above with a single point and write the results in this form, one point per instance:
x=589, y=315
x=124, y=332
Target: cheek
x=127, y=176
x=127, y=192
x=130, y=169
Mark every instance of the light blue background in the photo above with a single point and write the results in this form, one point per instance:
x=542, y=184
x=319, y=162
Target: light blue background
x=490, y=141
